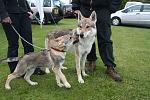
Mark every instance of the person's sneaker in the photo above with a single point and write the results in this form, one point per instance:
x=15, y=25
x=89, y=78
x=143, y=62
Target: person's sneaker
x=38, y=71
x=90, y=66
x=113, y=74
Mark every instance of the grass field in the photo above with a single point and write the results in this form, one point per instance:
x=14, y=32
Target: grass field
x=132, y=53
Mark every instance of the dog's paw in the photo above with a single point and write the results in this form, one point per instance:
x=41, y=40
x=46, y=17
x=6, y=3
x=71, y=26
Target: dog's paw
x=64, y=67
x=60, y=84
x=34, y=83
x=47, y=71
x=85, y=75
x=67, y=85
x=7, y=87
x=81, y=81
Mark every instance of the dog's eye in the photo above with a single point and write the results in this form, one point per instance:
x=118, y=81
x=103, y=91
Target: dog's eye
x=80, y=26
x=70, y=37
x=87, y=26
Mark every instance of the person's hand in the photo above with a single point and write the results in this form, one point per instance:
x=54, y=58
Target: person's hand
x=30, y=15
x=7, y=20
x=76, y=11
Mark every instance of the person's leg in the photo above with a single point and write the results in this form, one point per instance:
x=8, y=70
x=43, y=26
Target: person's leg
x=105, y=43
x=104, y=37
x=12, y=37
x=91, y=57
x=26, y=33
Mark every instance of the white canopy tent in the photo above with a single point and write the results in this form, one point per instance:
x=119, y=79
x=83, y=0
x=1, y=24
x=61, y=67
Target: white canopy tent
x=39, y=5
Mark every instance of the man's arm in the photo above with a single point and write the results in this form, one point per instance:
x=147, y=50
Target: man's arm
x=3, y=12
x=29, y=9
x=30, y=12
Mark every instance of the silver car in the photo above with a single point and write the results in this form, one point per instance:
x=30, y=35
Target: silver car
x=134, y=15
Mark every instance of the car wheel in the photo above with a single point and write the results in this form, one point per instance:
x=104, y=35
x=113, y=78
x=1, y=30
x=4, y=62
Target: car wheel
x=54, y=21
x=115, y=21
x=45, y=21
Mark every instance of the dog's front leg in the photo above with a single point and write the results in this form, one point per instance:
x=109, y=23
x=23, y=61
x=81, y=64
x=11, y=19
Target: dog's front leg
x=61, y=77
x=62, y=67
x=59, y=81
x=78, y=68
x=83, y=64
x=47, y=70
x=57, y=78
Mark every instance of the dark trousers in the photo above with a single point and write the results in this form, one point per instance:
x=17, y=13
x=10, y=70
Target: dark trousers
x=22, y=24
x=105, y=44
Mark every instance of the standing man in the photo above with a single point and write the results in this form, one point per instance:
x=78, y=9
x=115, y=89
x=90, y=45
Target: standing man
x=103, y=9
x=18, y=14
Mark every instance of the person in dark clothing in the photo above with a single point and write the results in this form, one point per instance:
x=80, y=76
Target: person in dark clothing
x=103, y=9
x=16, y=13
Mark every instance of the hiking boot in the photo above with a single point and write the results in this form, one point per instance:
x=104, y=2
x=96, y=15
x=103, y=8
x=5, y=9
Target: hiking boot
x=113, y=74
x=90, y=66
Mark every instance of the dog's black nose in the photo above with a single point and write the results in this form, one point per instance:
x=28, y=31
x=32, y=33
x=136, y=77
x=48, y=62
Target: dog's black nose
x=81, y=35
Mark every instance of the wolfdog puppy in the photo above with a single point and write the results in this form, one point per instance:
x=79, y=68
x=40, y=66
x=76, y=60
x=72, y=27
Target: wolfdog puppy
x=53, y=57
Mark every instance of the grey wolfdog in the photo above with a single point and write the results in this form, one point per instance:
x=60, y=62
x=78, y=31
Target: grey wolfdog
x=86, y=31
x=57, y=43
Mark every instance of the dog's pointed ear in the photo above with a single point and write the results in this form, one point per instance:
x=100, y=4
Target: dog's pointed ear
x=80, y=16
x=93, y=16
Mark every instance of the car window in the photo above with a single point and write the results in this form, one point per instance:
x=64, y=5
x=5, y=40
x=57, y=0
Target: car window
x=47, y=3
x=32, y=5
x=146, y=8
x=136, y=8
x=57, y=3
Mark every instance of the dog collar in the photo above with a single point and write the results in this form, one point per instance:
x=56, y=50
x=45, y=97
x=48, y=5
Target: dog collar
x=58, y=49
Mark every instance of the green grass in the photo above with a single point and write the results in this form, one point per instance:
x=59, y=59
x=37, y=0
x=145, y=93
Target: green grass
x=132, y=53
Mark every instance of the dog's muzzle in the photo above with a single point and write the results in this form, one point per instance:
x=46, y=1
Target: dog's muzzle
x=81, y=35
x=76, y=41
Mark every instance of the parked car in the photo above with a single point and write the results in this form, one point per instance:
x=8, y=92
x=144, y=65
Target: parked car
x=53, y=11
x=138, y=14
x=68, y=12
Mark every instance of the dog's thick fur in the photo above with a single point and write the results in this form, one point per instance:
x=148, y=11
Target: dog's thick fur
x=57, y=43
x=50, y=43
x=86, y=31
